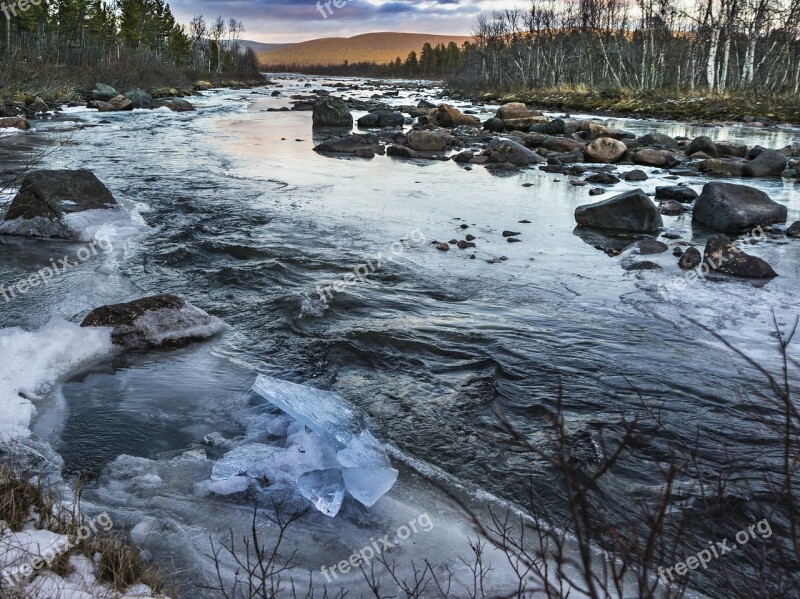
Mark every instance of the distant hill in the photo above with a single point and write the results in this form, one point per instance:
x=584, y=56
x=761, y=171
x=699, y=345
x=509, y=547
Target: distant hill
x=380, y=48
x=259, y=47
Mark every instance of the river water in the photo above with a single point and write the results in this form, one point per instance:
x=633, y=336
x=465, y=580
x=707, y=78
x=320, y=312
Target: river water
x=242, y=218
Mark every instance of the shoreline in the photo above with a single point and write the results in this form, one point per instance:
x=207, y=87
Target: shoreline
x=707, y=111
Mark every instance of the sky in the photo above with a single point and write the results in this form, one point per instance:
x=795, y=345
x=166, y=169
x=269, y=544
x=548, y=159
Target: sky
x=298, y=20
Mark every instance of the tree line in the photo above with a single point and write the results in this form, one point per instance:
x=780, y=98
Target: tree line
x=707, y=46
x=75, y=33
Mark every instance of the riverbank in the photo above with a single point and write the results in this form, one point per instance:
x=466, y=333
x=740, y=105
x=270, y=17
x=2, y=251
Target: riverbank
x=687, y=107
x=24, y=91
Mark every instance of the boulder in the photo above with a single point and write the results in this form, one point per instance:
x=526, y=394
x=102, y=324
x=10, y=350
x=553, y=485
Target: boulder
x=671, y=208
x=516, y=110
x=494, y=125
x=722, y=256
x=155, y=322
x=15, y=122
x=363, y=146
x=691, y=258
x=506, y=150
x=554, y=127
x=659, y=158
x=769, y=163
x=655, y=140
x=382, y=118
x=449, y=116
x=178, y=105
x=727, y=148
x=731, y=208
x=648, y=247
x=121, y=103
x=630, y=211
x=426, y=141
x=603, y=178
x=794, y=230
x=103, y=92
x=605, y=149
x=702, y=144
x=140, y=98
x=562, y=144
x=719, y=167
x=679, y=193
x=60, y=204
x=331, y=112
x=635, y=175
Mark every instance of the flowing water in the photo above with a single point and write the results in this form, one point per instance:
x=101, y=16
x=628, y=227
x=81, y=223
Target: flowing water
x=243, y=219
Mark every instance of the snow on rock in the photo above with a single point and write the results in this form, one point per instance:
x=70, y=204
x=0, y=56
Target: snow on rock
x=154, y=322
x=33, y=361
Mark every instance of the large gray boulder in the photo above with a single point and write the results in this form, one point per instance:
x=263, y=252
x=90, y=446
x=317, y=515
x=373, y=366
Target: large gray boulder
x=103, y=92
x=507, y=150
x=381, y=118
x=731, y=208
x=331, y=112
x=156, y=322
x=605, y=149
x=363, y=146
x=140, y=98
x=630, y=211
x=769, y=163
x=702, y=144
x=722, y=256
x=62, y=204
x=426, y=141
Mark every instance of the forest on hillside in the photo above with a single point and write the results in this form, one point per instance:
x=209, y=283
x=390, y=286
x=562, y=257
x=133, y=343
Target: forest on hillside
x=74, y=42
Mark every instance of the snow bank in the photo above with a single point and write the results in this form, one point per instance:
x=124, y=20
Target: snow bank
x=34, y=360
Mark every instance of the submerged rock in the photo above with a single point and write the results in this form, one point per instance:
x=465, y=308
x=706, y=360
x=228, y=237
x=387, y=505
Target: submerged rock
x=722, y=256
x=62, y=204
x=630, y=211
x=731, y=208
x=155, y=322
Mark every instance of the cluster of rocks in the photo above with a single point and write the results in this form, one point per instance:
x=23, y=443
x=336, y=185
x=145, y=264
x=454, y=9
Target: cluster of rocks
x=725, y=208
x=106, y=99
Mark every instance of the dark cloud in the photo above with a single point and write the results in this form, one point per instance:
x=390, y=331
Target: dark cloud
x=297, y=20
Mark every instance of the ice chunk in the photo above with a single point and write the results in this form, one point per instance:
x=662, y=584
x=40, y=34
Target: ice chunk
x=367, y=485
x=364, y=451
x=323, y=412
x=230, y=486
x=245, y=460
x=323, y=488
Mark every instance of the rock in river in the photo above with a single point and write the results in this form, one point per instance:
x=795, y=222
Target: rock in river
x=331, y=112
x=426, y=141
x=155, y=322
x=769, y=163
x=630, y=211
x=381, y=118
x=449, y=116
x=363, y=146
x=506, y=150
x=605, y=149
x=722, y=256
x=731, y=208
x=63, y=204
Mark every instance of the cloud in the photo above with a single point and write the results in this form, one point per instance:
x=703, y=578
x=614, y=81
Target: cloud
x=298, y=20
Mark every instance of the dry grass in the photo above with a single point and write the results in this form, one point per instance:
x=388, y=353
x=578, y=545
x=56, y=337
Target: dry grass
x=26, y=500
